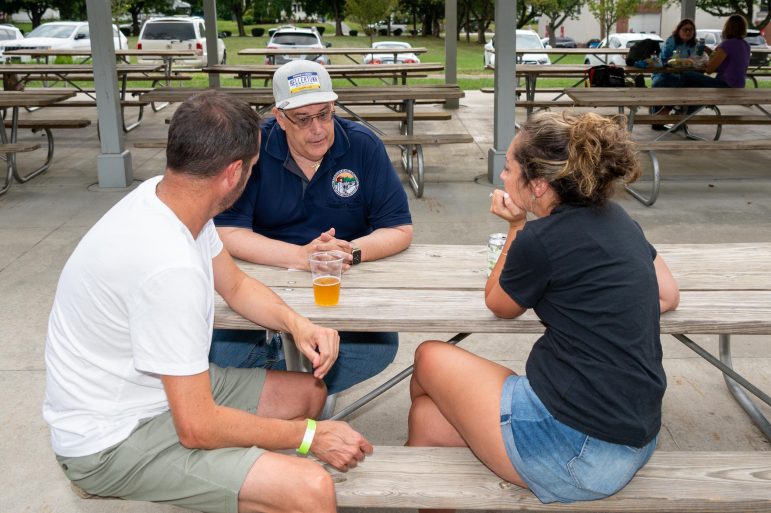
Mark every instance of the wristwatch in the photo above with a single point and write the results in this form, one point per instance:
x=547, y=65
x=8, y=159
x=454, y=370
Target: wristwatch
x=356, y=254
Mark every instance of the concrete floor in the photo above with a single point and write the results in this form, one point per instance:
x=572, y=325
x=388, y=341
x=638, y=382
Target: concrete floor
x=704, y=198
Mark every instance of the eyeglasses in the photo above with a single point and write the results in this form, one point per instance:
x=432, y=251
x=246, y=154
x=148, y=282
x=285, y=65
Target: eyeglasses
x=305, y=121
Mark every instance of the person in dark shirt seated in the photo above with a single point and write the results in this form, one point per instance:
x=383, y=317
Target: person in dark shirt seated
x=586, y=415
x=321, y=183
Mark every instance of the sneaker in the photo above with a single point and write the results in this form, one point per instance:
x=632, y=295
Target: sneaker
x=659, y=128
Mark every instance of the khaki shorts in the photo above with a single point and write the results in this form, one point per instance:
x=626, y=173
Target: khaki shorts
x=151, y=464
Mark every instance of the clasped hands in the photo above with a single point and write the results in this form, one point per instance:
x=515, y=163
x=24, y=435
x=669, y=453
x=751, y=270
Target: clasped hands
x=327, y=242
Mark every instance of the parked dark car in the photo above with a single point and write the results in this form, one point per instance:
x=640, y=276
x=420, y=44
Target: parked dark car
x=565, y=42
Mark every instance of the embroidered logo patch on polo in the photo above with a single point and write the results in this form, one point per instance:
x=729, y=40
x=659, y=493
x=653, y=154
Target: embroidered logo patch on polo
x=345, y=183
x=303, y=82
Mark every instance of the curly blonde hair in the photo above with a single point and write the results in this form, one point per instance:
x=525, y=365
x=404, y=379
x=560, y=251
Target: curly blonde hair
x=581, y=157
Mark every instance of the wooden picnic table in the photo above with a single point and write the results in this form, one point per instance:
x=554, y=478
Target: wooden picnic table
x=634, y=98
x=70, y=73
x=15, y=100
x=403, y=97
x=396, y=72
x=725, y=289
x=348, y=52
x=167, y=57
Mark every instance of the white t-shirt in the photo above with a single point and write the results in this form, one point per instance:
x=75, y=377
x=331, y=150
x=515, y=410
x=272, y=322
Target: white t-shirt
x=134, y=301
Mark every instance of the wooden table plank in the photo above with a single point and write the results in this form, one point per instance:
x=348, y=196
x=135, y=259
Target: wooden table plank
x=744, y=266
x=644, y=97
x=445, y=311
x=415, y=477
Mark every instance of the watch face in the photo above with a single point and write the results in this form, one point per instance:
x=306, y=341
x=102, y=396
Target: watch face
x=356, y=253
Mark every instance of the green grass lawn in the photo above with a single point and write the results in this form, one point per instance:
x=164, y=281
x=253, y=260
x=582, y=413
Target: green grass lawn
x=471, y=73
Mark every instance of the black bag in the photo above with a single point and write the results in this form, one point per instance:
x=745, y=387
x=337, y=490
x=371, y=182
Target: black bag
x=606, y=76
x=641, y=50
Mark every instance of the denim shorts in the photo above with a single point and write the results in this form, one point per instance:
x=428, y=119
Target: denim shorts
x=559, y=463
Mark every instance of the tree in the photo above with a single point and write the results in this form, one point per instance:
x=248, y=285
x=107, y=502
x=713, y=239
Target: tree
x=558, y=11
x=608, y=12
x=724, y=8
x=34, y=8
x=483, y=11
x=369, y=12
x=334, y=9
x=527, y=13
x=71, y=9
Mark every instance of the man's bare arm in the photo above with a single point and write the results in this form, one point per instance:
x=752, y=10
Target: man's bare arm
x=202, y=424
x=384, y=242
x=258, y=303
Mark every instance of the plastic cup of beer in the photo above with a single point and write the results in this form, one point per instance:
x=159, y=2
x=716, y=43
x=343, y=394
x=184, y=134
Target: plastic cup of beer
x=327, y=269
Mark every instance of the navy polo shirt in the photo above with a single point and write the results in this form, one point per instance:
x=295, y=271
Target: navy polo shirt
x=355, y=191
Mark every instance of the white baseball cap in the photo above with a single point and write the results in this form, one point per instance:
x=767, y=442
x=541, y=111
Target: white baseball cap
x=299, y=83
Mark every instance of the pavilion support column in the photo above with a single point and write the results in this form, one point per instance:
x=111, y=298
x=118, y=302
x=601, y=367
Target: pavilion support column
x=505, y=84
x=210, y=19
x=687, y=10
x=114, y=163
x=451, y=48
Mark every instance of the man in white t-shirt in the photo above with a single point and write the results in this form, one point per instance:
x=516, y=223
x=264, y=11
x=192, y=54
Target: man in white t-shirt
x=136, y=410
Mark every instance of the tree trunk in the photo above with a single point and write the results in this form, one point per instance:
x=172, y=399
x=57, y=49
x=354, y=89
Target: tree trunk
x=338, y=20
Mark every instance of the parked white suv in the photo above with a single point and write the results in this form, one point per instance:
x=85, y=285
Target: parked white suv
x=9, y=35
x=178, y=33
x=526, y=40
x=61, y=35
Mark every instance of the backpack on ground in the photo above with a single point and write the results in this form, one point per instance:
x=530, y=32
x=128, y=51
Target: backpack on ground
x=606, y=76
x=641, y=50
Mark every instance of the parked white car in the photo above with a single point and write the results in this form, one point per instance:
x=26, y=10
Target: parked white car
x=61, y=35
x=178, y=33
x=619, y=40
x=526, y=40
x=9, y=35
x=388, y=58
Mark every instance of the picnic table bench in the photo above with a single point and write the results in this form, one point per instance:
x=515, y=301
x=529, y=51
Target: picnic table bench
x=697, y=98
x=725, y=288
x=397, y=73
x=72, y=74
x=404, y=97
x=9, y=145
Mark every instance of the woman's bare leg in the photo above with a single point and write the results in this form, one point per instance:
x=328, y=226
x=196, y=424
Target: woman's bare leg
x=456, y=401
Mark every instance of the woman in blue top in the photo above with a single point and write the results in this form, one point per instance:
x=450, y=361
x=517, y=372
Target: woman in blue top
x=681, y=44
x=586, y=415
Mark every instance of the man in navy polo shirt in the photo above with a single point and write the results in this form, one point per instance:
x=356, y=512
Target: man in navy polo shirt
x=321, y=183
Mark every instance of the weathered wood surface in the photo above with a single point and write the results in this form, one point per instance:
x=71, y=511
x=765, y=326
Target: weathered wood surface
x=334, y=70
x=49, y=123
x=18, y=147
x=725, y=288
x=703, y=119
x=328, y=51
x=645, y=97
x=32, y=99
x=372, y=309
x=739, y=266
x=675, y=482
x=427, y=139
x=690, y=145
x=264, y=96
